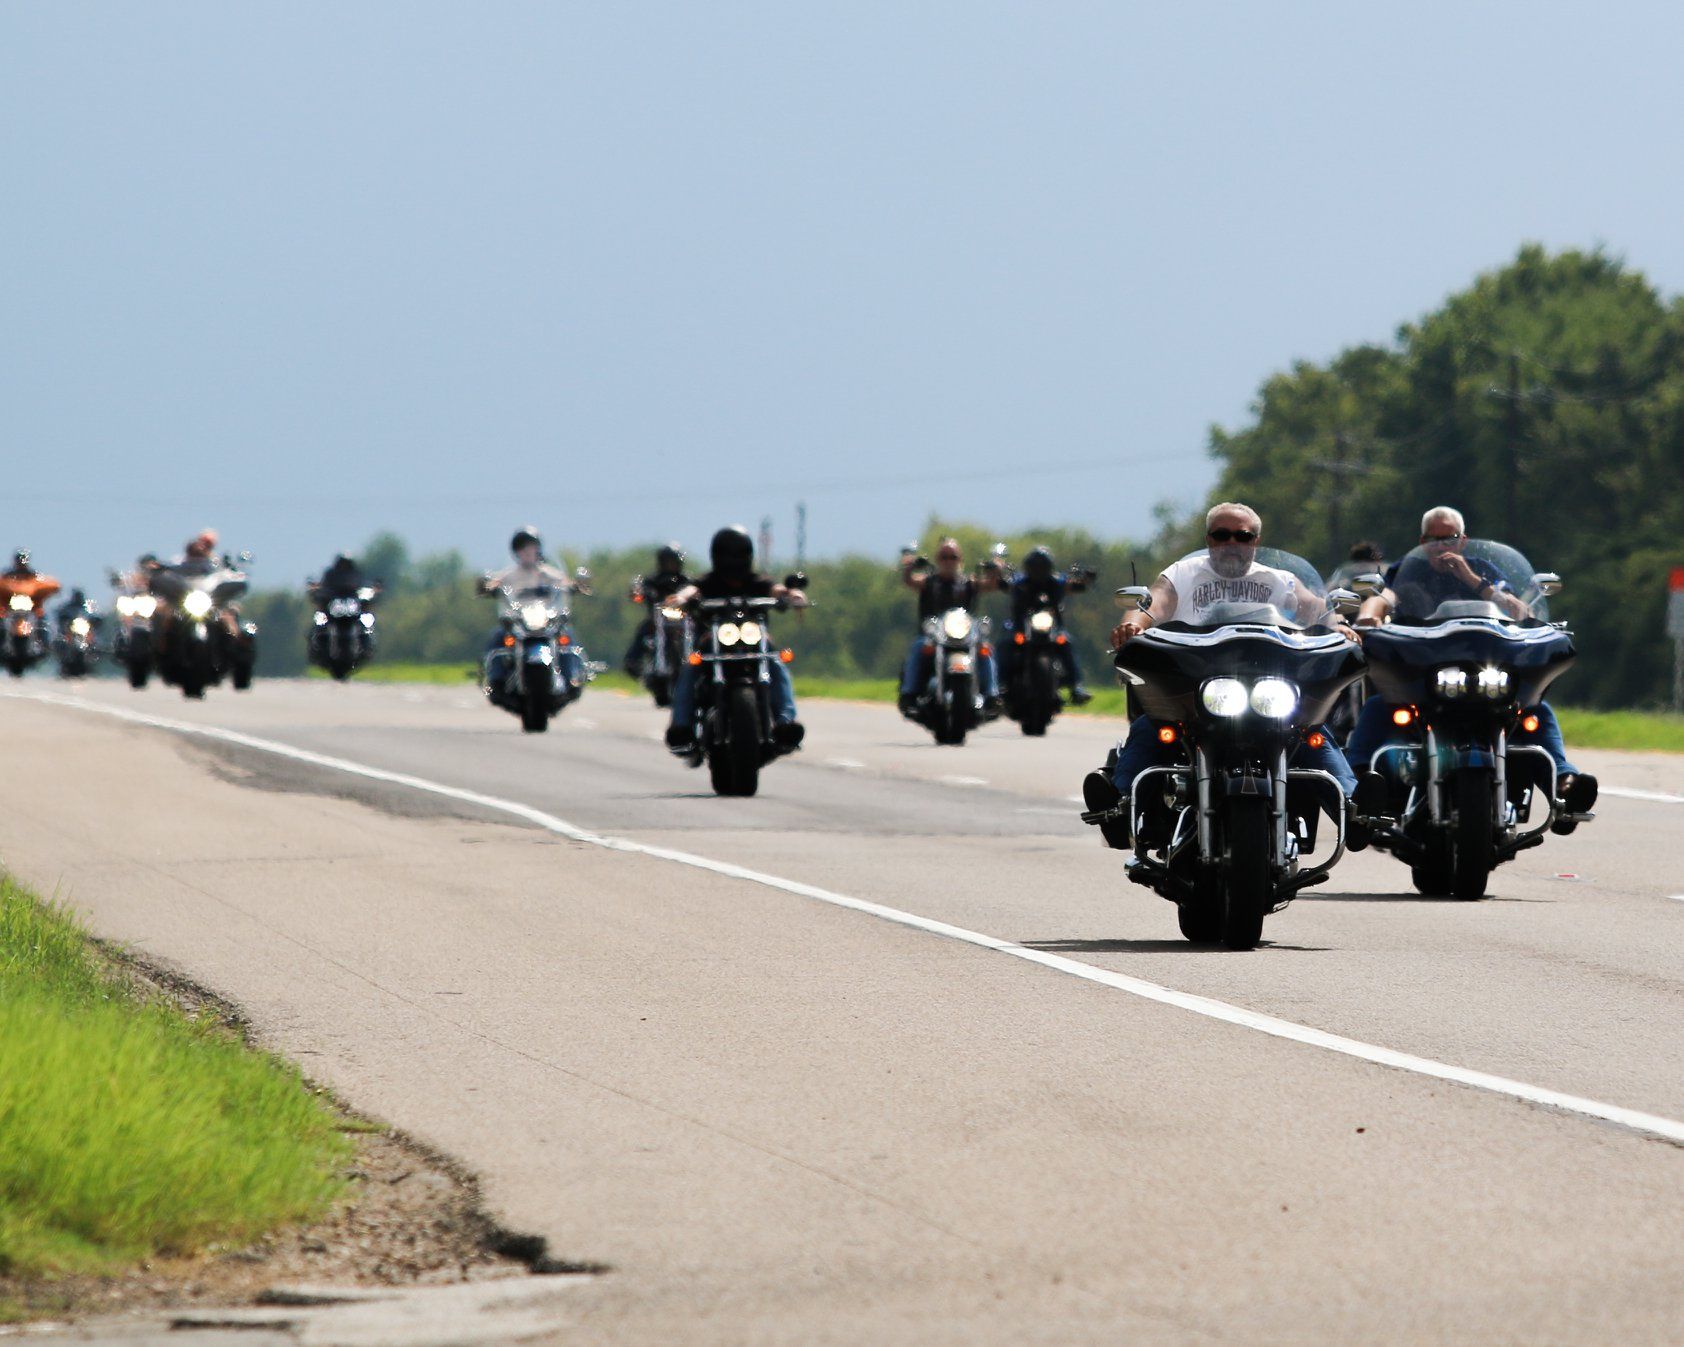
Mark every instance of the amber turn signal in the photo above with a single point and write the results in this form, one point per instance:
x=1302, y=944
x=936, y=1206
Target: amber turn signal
x=1317, y=740
x=1402, y=716
x=1529, y=723
x=695, y=657
x=787, y=656
x=1167, y=734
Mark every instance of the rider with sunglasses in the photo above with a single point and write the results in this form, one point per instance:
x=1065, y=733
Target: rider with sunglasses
x=1452, y=574
x=1226, y=572
x=945, y=587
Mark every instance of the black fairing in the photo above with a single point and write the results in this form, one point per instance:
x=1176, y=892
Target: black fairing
x=1170, y=675
x=1402, y=659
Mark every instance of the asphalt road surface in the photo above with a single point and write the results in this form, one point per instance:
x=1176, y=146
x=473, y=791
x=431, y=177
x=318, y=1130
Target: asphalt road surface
x=892, y=1053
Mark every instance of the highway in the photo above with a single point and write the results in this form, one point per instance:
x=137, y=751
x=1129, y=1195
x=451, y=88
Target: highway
x=892, y=1053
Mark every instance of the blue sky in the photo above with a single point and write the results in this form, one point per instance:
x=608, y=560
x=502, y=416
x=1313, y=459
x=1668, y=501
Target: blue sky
x=628, y=271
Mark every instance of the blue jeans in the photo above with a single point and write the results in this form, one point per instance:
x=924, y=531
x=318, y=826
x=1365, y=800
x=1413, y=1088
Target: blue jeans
x=1142, y=749
x=684, y=695
x=915, y=673
x=1374, y=730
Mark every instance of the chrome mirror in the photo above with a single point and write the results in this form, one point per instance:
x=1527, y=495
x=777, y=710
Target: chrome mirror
x=1134, y=598
x=1547, y=583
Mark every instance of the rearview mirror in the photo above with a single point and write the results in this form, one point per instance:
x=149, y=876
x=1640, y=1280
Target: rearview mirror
x=1134, y=598
x=796, y=580
x=1367, y=586
x=1547, y=583
x=1345, y=602
x=583, y=573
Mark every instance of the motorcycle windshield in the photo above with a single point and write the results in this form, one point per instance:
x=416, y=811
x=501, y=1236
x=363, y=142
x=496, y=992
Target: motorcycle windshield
x=1240, y=585
x=536, y=605
x=1438, y=581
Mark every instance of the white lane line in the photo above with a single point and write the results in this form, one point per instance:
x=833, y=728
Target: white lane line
x=584, y=722
x=1660, y=797
x=851, y=764
x=1632, y=1119
x=1676, y=897
x=963, y=780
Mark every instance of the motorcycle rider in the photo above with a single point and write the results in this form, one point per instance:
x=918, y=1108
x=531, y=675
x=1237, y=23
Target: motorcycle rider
x=1229, y=572
x=1454, y=575
x=731, y=553
x=668, y=579
x=24, y=579
x=939, y=590
x=74, y=606
x=198, y=558
x=1364, y=558
x=530, y=571
x=1040, y=576
x=343, y=579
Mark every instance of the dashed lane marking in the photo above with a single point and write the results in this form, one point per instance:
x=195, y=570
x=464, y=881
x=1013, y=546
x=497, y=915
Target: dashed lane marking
x=851, y=764
x=1658, y=796
x=962, y=780
x=1633, y=1120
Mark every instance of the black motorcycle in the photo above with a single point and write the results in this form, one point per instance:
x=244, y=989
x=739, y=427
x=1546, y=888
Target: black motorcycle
x=538, y=669
x=342, y=636
x=24, y=643
x=1034, y=668
x=1223, y=828
x=131, y=644
x=196, y=640
x=76, y=646
x=1461, y=675
x=733, y=660
x=950, y=705
x=669, y=643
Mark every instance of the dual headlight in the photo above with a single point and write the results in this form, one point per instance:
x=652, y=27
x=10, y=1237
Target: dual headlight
x=136, y=605
x=20, y=604
x=1272, y=697
x=732, y=633
x=1451, y=683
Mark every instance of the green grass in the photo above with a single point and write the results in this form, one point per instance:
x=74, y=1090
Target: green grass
x=1654, y=731
x=377, y=672
x=129, y=1129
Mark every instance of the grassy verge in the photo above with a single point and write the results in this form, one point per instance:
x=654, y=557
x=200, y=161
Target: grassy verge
x=1652, y=731
x=129, y=1129
x=377, y=672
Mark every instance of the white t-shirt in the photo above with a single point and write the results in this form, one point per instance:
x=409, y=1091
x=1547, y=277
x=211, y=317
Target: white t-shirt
x=1198, y=589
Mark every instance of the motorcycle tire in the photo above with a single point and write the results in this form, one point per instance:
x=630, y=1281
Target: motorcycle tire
x=953, y=720
x=734, y=765
x=1246, y=887
x=1040, y=695
x=535, y=712
x=660, y=688
x=139, y=672
x=1474, y=849
x=1432, y=876
x=1200, y=921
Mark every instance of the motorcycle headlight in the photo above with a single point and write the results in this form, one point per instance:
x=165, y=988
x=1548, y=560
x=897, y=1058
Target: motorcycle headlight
x=957, y=625
x=197, y=604
x=80, y=625
x=1451, y=682
x=342, y=608
x=1494, y=683
x=20, y=604
x=535, y=615
x=750, y=633
x=727, y=634
x=1274, y=697
x=321, y=618
x=124, y=605
x=143, y=605
x=1042, y=621
x=673, y=614
x=367, y=619
x=1224, y=697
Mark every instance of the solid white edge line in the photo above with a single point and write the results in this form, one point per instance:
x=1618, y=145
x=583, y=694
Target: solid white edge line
x=1648, y=1123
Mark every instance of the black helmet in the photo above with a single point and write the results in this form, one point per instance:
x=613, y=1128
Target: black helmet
x=525, y=537
x=732, y=551
x=672, y=555
x=20, y=558
x=1038, y=562
x=77, y=598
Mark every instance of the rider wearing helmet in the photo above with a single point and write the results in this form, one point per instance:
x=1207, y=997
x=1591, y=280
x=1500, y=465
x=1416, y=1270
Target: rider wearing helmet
x=667, y=580
x=1039, y=584
x=530, y=571
x=733, y=576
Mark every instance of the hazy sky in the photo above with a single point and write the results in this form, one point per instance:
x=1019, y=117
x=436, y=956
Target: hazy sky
x=628, y=271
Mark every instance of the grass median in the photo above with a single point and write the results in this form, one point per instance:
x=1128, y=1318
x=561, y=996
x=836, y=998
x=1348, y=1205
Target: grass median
x=129, y=1129
x=1640, y=731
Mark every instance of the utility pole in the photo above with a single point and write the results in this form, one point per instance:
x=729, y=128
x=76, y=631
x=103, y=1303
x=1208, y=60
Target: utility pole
x=1511, y=463
x=1341, y=470
x=800, y=534
x=766, y=540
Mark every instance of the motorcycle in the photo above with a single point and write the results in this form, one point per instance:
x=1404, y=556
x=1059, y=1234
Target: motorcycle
x=131, y=644
x=734, y=714
x=77, y=644
x=1031, y=690
x=195, y=642
x=951, y=705
x=539, y=669
x=25, y=643
x=1223, y=831
x=342, y=631
x=670, y=642
x=1462, y=675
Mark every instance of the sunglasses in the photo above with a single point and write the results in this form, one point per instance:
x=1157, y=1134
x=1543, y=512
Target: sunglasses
x=1440, y=539
x=1232, y=535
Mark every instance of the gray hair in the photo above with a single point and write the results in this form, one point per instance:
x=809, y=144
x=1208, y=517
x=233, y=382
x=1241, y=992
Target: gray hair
x=1449, y=514
x=1236, y=507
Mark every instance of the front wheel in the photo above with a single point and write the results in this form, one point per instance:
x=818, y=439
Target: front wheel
x=1246, y=883
x=1475, y=848
x=1040, y=694
x=735, y=764
x=535, y=711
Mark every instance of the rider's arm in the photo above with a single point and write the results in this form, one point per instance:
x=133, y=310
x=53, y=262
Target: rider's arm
x=1375, y=607
x=795, y=598
x=908, y=577
x=1162, y=610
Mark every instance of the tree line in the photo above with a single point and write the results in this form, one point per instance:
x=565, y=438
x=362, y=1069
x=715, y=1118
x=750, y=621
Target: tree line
x=1546, y=401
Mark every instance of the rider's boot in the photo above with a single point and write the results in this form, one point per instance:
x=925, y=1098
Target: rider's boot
x=1106, y=806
